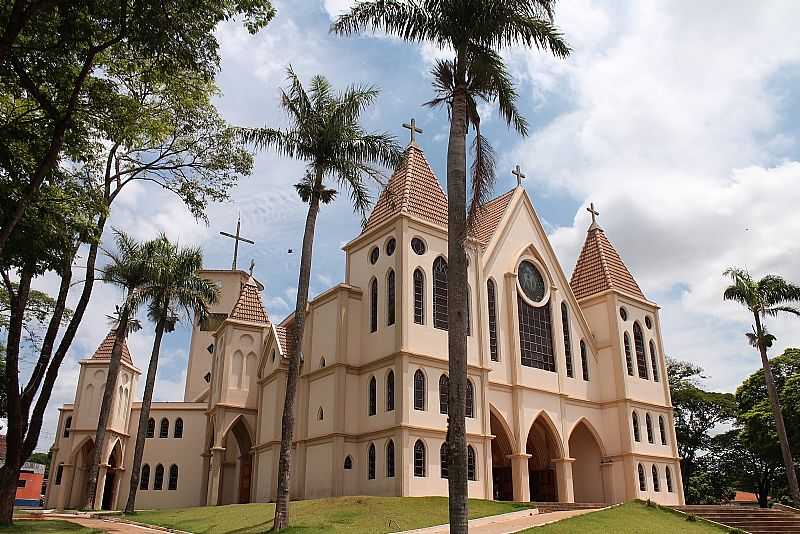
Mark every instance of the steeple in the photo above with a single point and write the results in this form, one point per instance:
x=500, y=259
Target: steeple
x=103, y=352
x=249, y=307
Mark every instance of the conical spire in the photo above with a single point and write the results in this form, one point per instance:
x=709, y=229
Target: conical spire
x=249, y=307
x=103, y=352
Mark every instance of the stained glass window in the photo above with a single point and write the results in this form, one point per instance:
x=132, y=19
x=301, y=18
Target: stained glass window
x=470, y=399
x=373, y=306
x=641, y=359
x=390, y=459
x=419, y=390
x=642, y=480
x=567, y=340
x=472, y=471
x=419, y=297
x=371, y=462
x=390, y=298
x=419, y=459
x=373, y=396
x=444, y=391
x=491, y=293
x=535, y=336
x=628, y=357
x=443, y=467
x=635, y=420
x=584, y=361
x=531, y=281
x=440, y=293
x=418, y=246
x=390, y=391
x=654, y=360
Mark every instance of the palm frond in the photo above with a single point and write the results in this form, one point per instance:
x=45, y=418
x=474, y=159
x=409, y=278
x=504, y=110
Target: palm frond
x=775, y=310
x=410, y=20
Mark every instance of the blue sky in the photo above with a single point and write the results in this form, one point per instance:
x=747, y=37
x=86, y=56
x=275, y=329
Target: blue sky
x=678, y=119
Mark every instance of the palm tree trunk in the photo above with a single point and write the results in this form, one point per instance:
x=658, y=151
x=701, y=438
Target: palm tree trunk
x=777, y=414
x=144, y=415
x=457, y=306
x=281, y=520
x=105, y=407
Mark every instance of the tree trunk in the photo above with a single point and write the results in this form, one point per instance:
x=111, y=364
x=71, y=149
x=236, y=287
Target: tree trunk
x=457, y=316
x=9, y=474
x=105, y=407
x=786, y=452
x=281, y=519
x=144, y=415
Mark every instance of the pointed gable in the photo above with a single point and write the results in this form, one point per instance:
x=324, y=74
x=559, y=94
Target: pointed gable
x=412, y=190
x=489, y=218
x=103, y=352
x=600, y=268
x=249, y=308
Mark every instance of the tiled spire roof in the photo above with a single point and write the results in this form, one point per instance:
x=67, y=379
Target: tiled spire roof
x=600, y=268
x=286, y=339
x=248, y=307
x=489, y=217
x=103, y=352
x=412, y=190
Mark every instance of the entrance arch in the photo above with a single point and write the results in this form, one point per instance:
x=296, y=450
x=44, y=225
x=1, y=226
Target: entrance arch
x=80, y=481
x=237, y=474
x=110, y=482
x=502, y=449
x=587, y=473
x=543, y=446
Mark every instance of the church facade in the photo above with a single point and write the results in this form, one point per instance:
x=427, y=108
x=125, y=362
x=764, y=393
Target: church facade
x=567, y=398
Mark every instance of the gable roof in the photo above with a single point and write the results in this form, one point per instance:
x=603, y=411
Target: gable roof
x=285, y=339
x=103, y=352
x=489, y=217
x=412, y=190
x=600, y=268
x=248, y=307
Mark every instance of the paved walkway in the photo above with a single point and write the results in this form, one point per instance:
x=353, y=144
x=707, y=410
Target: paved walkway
x=116, y=527
x=506, y=523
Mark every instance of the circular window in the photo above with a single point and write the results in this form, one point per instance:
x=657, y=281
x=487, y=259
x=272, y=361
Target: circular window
x=531, y=281
x=373, y=255
x=648, y=322
x=623, y=313
x=390, y=246
x=418, y=246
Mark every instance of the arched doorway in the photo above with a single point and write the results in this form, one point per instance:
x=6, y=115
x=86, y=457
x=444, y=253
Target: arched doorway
x=502, y=475
x=587, y=473
x=543, y=447
x=80, y=480
x=109, y=484
x=236, y=477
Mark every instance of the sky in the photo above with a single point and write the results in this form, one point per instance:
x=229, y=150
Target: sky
x=678, y=119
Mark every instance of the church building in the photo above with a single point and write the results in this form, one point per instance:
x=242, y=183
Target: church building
x=567, y=398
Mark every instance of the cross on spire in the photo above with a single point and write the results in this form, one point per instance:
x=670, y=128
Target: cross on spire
x=236, y=239
x=518, y=173
x=594, y=213
x=414, y=130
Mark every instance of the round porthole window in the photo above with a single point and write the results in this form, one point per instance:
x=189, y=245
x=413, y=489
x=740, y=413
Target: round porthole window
x=418, y=246
x=373, y=255
x=648, y=322
x=390, y=246
x=531, y=282
x=623, y=313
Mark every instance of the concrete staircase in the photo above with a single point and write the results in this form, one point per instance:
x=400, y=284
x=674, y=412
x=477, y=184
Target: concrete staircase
x=753, y=520
x=547, y=507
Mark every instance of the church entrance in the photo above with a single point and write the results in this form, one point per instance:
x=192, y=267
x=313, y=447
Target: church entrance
x=80, y=482
x=109, y=484
x=543, y=448
x=238, y=466
x=587, y=474
x=502, y=477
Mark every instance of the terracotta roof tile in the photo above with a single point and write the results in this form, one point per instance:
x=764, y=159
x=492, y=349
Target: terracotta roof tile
x=285, y=340
x=103, y=352
x=412, y=190
x=248, y=307
x=489, y=217
x=600, y=268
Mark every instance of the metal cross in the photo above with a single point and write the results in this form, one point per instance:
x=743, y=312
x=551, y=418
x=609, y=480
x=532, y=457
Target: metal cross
x=518, y=173
x=594, y=212
x=236, y=239
x=413, y=128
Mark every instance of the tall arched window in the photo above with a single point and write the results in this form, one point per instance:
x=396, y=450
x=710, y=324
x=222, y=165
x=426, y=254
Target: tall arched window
x=172, y=484
x=440, y=293
x=177, y=432
x=628, y=357
x=151, y=428
x=642, y=480
x=584, y=361
x=567, y=340
x=373, y=396
x=390, y=391
x=158, y=479
x=535, y=336
x=635, y=421
x=419, y=459
x=419, y=296
x=390, y=298
x=654, y=360
x=59, y=473
x=348, y=462
x=444, y=392
x=491, y=293
x=641, y=359
x=648, y=423
x=470, y=399
x=668, y=475
x=472, y=471
x=371, y=462
x=373, y=305
x=390, y=459
x=419, y=390
x=662, y=429
x=469, y=311
x=67, y=426
x=656, y=482
x=443, y=466
x=163, y=429
x=144, y=479
x=320, y=414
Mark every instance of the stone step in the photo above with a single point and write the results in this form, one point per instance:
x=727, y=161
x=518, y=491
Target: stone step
x=752, y=520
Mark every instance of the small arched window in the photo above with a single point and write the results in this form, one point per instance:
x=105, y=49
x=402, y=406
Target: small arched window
x=419, y=296
x=635, y=420
x=584, y=361
x=59, y=474
x=177, y=432
x=373, y=305
x=348, y=462
x=322, y=362
x=567, y=339
x=144, y=479
x=654, y=360
x=440, y=315
x=469, y=311
x=172, y=484
x=668, y=475
x=491, y=293
x=642, y=480
x=373, y=396
x=443, y=461
x=163, y=429
x=656, y=482
x=371, y=462
x=320, y=414
x=390, y=298
x=628, y=356
x=470, y=399
x=67, y=426
x=662, y=429
x=419, y=459
x=151, y=428
x=648, y=423
x=638, y=343
x=390, y=459
x=390, y=391
x=472, y=471
x=419, y=390
x=444, y=392
x=158, y=479
x=273, y=355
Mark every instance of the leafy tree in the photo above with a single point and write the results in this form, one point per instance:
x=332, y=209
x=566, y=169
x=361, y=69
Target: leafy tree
x=473, y=31
x=325, y=132
x=39, y=309
x=768, y=297
x=173, y=290
x=42, y=458
x=737, y=463
x=3, y=385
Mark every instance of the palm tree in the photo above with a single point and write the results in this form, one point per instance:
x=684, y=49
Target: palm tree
x=129, y=270
x=174, y=290
x=474, y=30
x=767, y=297
x=326, y=134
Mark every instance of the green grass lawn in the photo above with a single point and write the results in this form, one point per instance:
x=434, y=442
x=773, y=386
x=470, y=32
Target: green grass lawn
x=630, y=518
x=38, y=526
x=344, y=514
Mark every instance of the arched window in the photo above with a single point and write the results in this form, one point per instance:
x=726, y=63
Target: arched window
x=656, y=483
x=638, y=343
x=648, y=423
x=163, y=429
x=151, y=428
x=642, y=480
x=371, y=462
x=177, y=432
x=668, y=475
x=322, y=362
x=491, y=293
x=469, y=310
x=158, y=480
x=390, y=459
x=662, y=429
x=172, y=484
x=419, y=459
x=584, y=361
x=348, y=462
x=535, y=335
x=469, y=395
x=440, y=293
x=373, y=305
x=567, y=340
x=144, y=479
x=635, y=420
x=419, y=296
x=390, y=298
x=390, y=391
x=67, y=426
x=444, y=392
x=273, y=355
x=59, y=474
x=472, y=471
x=654, y=360
x=419, y=390
x=443, y=465
x=373, y=396
x=320, y=414
x=628, y=357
